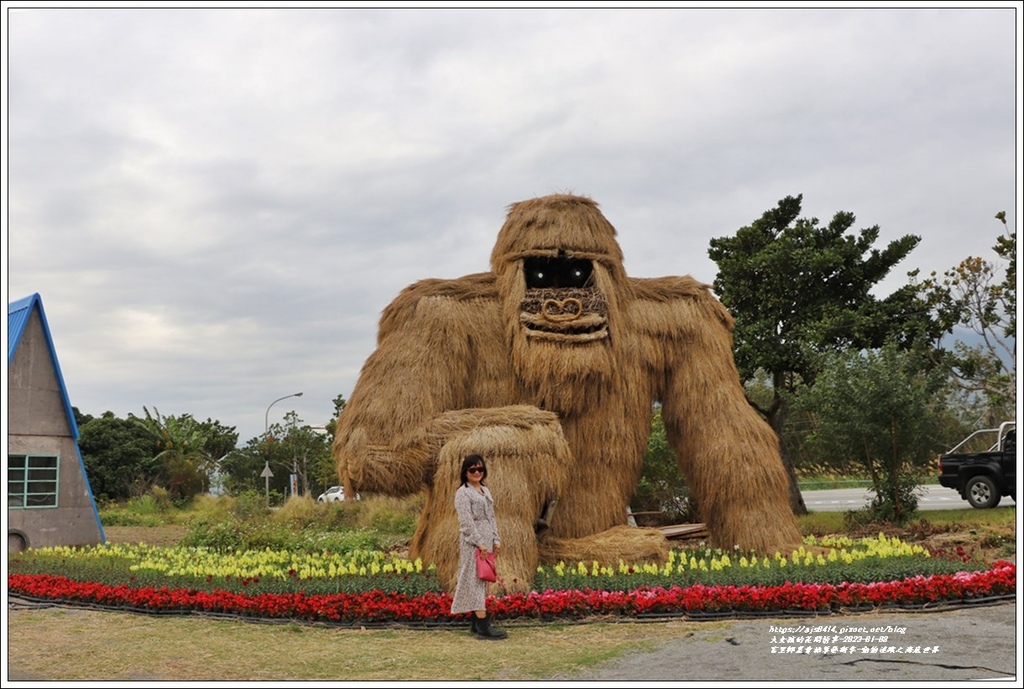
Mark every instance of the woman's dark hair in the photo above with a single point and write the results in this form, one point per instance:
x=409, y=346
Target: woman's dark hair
x=469, y=461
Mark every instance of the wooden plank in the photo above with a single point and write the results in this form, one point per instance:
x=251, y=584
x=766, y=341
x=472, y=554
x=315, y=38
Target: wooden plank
x=684, y=531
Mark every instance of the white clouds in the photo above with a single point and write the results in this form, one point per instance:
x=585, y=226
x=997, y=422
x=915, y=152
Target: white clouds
x=216, y=205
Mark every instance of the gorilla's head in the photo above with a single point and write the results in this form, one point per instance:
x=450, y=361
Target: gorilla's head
x=560, y=274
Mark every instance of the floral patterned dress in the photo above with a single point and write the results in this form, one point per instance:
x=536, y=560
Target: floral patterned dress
x=477, y=527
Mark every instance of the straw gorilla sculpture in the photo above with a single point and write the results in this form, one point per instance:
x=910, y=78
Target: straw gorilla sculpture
x=548, y=366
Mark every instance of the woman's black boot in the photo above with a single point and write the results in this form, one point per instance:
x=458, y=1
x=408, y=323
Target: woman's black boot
x=483, y=629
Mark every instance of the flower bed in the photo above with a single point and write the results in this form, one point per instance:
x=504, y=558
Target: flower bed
x=831, y=576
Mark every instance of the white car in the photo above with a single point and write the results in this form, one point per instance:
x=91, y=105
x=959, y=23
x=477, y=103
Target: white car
x=334, y=494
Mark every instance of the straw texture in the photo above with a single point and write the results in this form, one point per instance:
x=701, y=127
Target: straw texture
x=554, y=387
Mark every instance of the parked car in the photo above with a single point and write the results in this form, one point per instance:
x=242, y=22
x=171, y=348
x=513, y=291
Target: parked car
x=981, y=470
x=334, y=494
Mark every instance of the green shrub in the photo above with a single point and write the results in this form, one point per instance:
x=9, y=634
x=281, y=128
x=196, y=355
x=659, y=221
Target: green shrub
x=342, y=541
x=145, y=510
x=299, y=512
x=123, y=516
x=250, y=505
x=389, y=515
x=232, y=534
x=336, y=516
x=160, y=499
x=223, y=535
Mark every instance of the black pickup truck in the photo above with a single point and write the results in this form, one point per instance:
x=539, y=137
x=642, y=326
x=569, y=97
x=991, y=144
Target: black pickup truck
x=980, y=470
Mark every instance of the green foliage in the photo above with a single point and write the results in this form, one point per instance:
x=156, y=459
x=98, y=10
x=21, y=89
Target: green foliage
x=180, y=445
x=342, y=541
x=973, y=297
x=244, y=522
x=325, y=471
x=123, y=516
x=394, y=522
x=118, y=457
x=662, y=488
x=151, y=509
x=250, y=506
x=880, y=411
x=234, y=535
x=796, y=287
x=868, y=570
x=292, y=447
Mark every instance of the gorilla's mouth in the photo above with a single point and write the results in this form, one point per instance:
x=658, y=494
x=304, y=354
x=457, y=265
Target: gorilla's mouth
x=573, y=315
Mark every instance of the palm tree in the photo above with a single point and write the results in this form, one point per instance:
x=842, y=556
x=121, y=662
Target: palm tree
x=181, y=448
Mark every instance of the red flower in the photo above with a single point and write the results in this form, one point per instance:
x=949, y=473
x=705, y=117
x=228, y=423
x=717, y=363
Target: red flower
x=377, y=606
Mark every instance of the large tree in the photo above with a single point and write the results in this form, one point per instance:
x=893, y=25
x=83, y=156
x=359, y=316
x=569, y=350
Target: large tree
x=118, y=456
x=179, y=443
x=797, y=288
x=882, y=410
x=285, y=448
x=300, y=449
x=980, y=297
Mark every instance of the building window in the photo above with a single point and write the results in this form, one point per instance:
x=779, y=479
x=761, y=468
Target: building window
x=32, y=481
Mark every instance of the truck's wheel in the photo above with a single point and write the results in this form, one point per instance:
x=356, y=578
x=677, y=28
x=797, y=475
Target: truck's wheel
x=981, y=492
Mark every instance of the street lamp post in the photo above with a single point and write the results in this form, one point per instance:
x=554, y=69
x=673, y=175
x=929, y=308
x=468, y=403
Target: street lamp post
x=266, y=432
x=266, y=417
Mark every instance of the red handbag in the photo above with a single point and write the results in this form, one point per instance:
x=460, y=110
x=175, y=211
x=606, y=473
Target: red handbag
x=486, y=569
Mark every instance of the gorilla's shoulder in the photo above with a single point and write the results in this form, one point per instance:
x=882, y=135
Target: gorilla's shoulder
x=681, y=296
x=669, y=288
x=436, y=298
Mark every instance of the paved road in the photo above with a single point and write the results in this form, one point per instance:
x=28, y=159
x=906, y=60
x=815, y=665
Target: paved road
x=979, y=644
x=932, y=498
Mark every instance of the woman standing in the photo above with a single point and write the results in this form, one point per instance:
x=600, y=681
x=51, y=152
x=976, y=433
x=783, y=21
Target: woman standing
x=478, y=530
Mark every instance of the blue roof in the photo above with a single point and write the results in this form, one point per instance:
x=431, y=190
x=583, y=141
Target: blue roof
x=18, y=315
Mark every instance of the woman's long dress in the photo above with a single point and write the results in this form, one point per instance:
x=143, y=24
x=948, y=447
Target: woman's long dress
x=477, y=527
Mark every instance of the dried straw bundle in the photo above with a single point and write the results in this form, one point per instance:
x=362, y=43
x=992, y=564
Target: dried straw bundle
x=628, y=544
x=555, y=389
x=527, y=468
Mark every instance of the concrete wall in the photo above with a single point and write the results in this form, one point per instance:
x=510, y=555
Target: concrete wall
x=38, y=425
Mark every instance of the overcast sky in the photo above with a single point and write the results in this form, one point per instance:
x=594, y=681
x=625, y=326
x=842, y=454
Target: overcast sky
x=216, y=205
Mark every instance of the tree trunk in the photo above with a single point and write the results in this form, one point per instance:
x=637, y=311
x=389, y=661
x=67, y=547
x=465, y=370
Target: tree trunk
x=796, y=498
x=777, y=418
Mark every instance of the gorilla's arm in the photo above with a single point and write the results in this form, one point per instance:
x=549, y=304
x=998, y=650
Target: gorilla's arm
x=438, y=360
x=727, y=451
x=414, y=375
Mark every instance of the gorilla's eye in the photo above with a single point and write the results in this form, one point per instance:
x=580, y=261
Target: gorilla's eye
x=539, y=272
x=557, y=272
x=579, y=273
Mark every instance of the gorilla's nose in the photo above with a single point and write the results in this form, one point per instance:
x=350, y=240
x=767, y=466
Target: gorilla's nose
x=562, y=310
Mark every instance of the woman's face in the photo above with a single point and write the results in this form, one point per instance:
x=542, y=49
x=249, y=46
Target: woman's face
x=475, y=474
